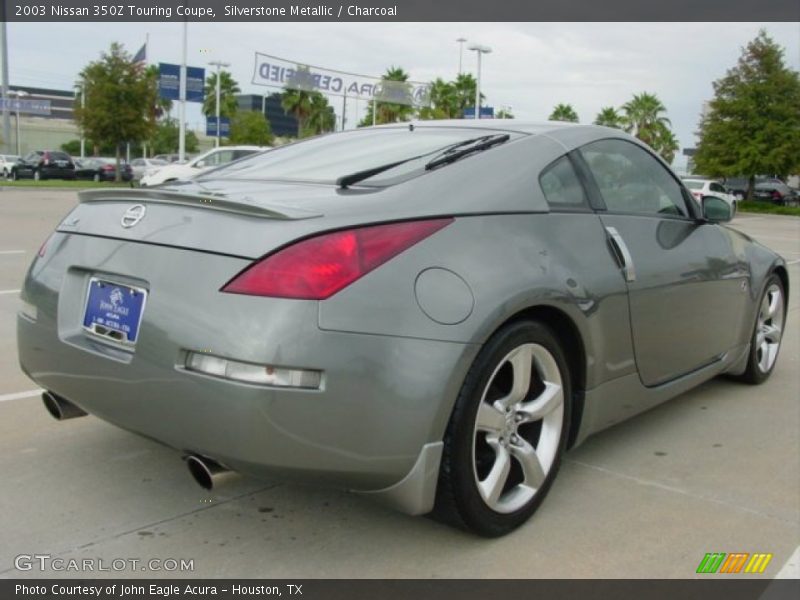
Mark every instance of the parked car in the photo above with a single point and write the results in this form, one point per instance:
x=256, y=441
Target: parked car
x=44, y=164
x=738, y=185
x=102, y=169
x=7, y=162
x=708, y=187
x=777, y=193
x=429, y=314
x=146, y=166
x=170, y=158
x=212, y=158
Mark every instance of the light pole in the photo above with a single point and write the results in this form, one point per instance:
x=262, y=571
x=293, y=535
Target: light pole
x=82, y=87
x=4, y=79
x=460, y=41
x=19, y=94
x=479, y=50
x=219, y=65
x=182, y=98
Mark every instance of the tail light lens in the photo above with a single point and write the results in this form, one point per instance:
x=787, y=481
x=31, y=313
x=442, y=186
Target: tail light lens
x=319, y=267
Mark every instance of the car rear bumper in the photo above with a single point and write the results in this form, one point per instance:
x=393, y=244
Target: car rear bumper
x=382, y=402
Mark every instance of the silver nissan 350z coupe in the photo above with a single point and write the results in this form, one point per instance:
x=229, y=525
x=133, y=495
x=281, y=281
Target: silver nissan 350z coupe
x=427, y=313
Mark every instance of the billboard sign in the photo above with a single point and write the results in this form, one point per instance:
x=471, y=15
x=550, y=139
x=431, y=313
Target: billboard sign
x=211, y=126
x=27, y=106
x=487, y=112
x=271, y=71
x=169, y=82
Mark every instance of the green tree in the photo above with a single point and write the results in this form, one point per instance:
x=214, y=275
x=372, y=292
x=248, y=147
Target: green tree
x=465, y=87
x=752, y=125
x=643, y=117
x=564, y=112
x=666, y=144
x=392, y=112
x=119, y=101
x=443, y=101
x=228, y=88
x=297, y=100
x=250, y=127
x=321, y=119
x=166, y=138
x=162, y=106
x=504, y=113
x=609, y=117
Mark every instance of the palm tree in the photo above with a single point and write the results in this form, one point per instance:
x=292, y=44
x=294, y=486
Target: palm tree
x=228, y=88
x=443, y=101
x=465, y=86
x=643, y=117
x=321, y=118
x=666, y=143
x=298, y=103
x=609, y=117
x=564, y=112
x=394, y=86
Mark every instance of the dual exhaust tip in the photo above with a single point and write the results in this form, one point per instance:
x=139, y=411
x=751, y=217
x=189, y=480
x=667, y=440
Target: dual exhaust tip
x=206, y=472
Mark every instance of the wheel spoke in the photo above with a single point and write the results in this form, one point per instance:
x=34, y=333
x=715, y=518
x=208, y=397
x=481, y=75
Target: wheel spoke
x=774, y=301
x=492, y=486
x=529, y=461
x=764, y=361
x=771, y=333
x=490, y=418
x=550, y=399
x=522, y=366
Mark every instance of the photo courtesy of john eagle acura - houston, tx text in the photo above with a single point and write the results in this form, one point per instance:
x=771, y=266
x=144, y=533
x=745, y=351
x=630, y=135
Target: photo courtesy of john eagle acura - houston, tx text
x=427, y=313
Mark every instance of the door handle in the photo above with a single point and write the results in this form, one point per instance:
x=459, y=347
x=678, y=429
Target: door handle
x=623, y=254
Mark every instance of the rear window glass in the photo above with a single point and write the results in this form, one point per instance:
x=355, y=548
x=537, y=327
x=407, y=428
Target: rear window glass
x=694, y=185
x=59, y=156
x=326, y=158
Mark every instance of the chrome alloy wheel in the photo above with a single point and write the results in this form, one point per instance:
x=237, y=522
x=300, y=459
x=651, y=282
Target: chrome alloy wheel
x=769, y=328
x=518, y=428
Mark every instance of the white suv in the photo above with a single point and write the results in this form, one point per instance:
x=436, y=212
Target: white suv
x=212, y=158
x=6, y=162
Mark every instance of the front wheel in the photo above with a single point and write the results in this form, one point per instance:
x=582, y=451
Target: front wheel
x=97, y=177
x=507, y=433
x=767, y=334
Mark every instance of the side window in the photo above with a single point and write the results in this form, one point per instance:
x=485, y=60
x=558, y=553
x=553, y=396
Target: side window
x=715, y=187
x=137, y=162
x=632, y=181
x=561, y=185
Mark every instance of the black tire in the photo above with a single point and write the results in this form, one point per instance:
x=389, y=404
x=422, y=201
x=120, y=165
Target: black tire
x=754, y=374
x=458, y=500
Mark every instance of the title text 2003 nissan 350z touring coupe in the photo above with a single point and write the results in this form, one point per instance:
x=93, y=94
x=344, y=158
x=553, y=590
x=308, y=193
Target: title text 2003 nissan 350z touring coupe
x=427, y=313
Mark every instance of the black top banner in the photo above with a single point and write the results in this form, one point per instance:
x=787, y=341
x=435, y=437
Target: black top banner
x=401, y=10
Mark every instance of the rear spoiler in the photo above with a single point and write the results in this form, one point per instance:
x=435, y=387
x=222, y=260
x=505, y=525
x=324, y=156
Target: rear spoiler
x=244, y=205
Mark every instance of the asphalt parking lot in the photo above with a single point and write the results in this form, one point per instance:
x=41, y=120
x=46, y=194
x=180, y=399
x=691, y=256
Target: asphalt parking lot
x=716, y=470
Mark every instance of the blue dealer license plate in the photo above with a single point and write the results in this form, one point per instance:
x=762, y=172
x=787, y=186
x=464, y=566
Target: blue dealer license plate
x=114, y=311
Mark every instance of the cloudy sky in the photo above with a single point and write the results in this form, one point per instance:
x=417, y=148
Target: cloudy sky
x=533, y=66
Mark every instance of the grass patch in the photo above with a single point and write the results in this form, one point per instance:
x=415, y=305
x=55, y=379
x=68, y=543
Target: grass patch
x=768, y=207
x=61, y=183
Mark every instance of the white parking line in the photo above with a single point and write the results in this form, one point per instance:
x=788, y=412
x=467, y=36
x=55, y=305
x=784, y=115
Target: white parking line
x=793, y=262
x=20, y=395
x=12, y=251
x=9, y=292
x=791, y=570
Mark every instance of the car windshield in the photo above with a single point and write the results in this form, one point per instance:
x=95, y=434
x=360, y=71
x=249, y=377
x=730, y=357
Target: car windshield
x=693, y=185
x=326, y=158
x=157, y=162
x=59, y=156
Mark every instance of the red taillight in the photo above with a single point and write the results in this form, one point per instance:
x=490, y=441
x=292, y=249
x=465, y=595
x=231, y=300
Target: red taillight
x=318, y=267
x=108, y=167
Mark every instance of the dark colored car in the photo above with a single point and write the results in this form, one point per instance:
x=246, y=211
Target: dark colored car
x=44, y=164
x=777, y=193
x=102, y=169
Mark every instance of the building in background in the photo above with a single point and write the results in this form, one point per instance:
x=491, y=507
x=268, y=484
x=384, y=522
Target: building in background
x=283, y=125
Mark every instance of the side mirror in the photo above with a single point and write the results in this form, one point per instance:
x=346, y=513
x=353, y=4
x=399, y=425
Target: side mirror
x=716, y=210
